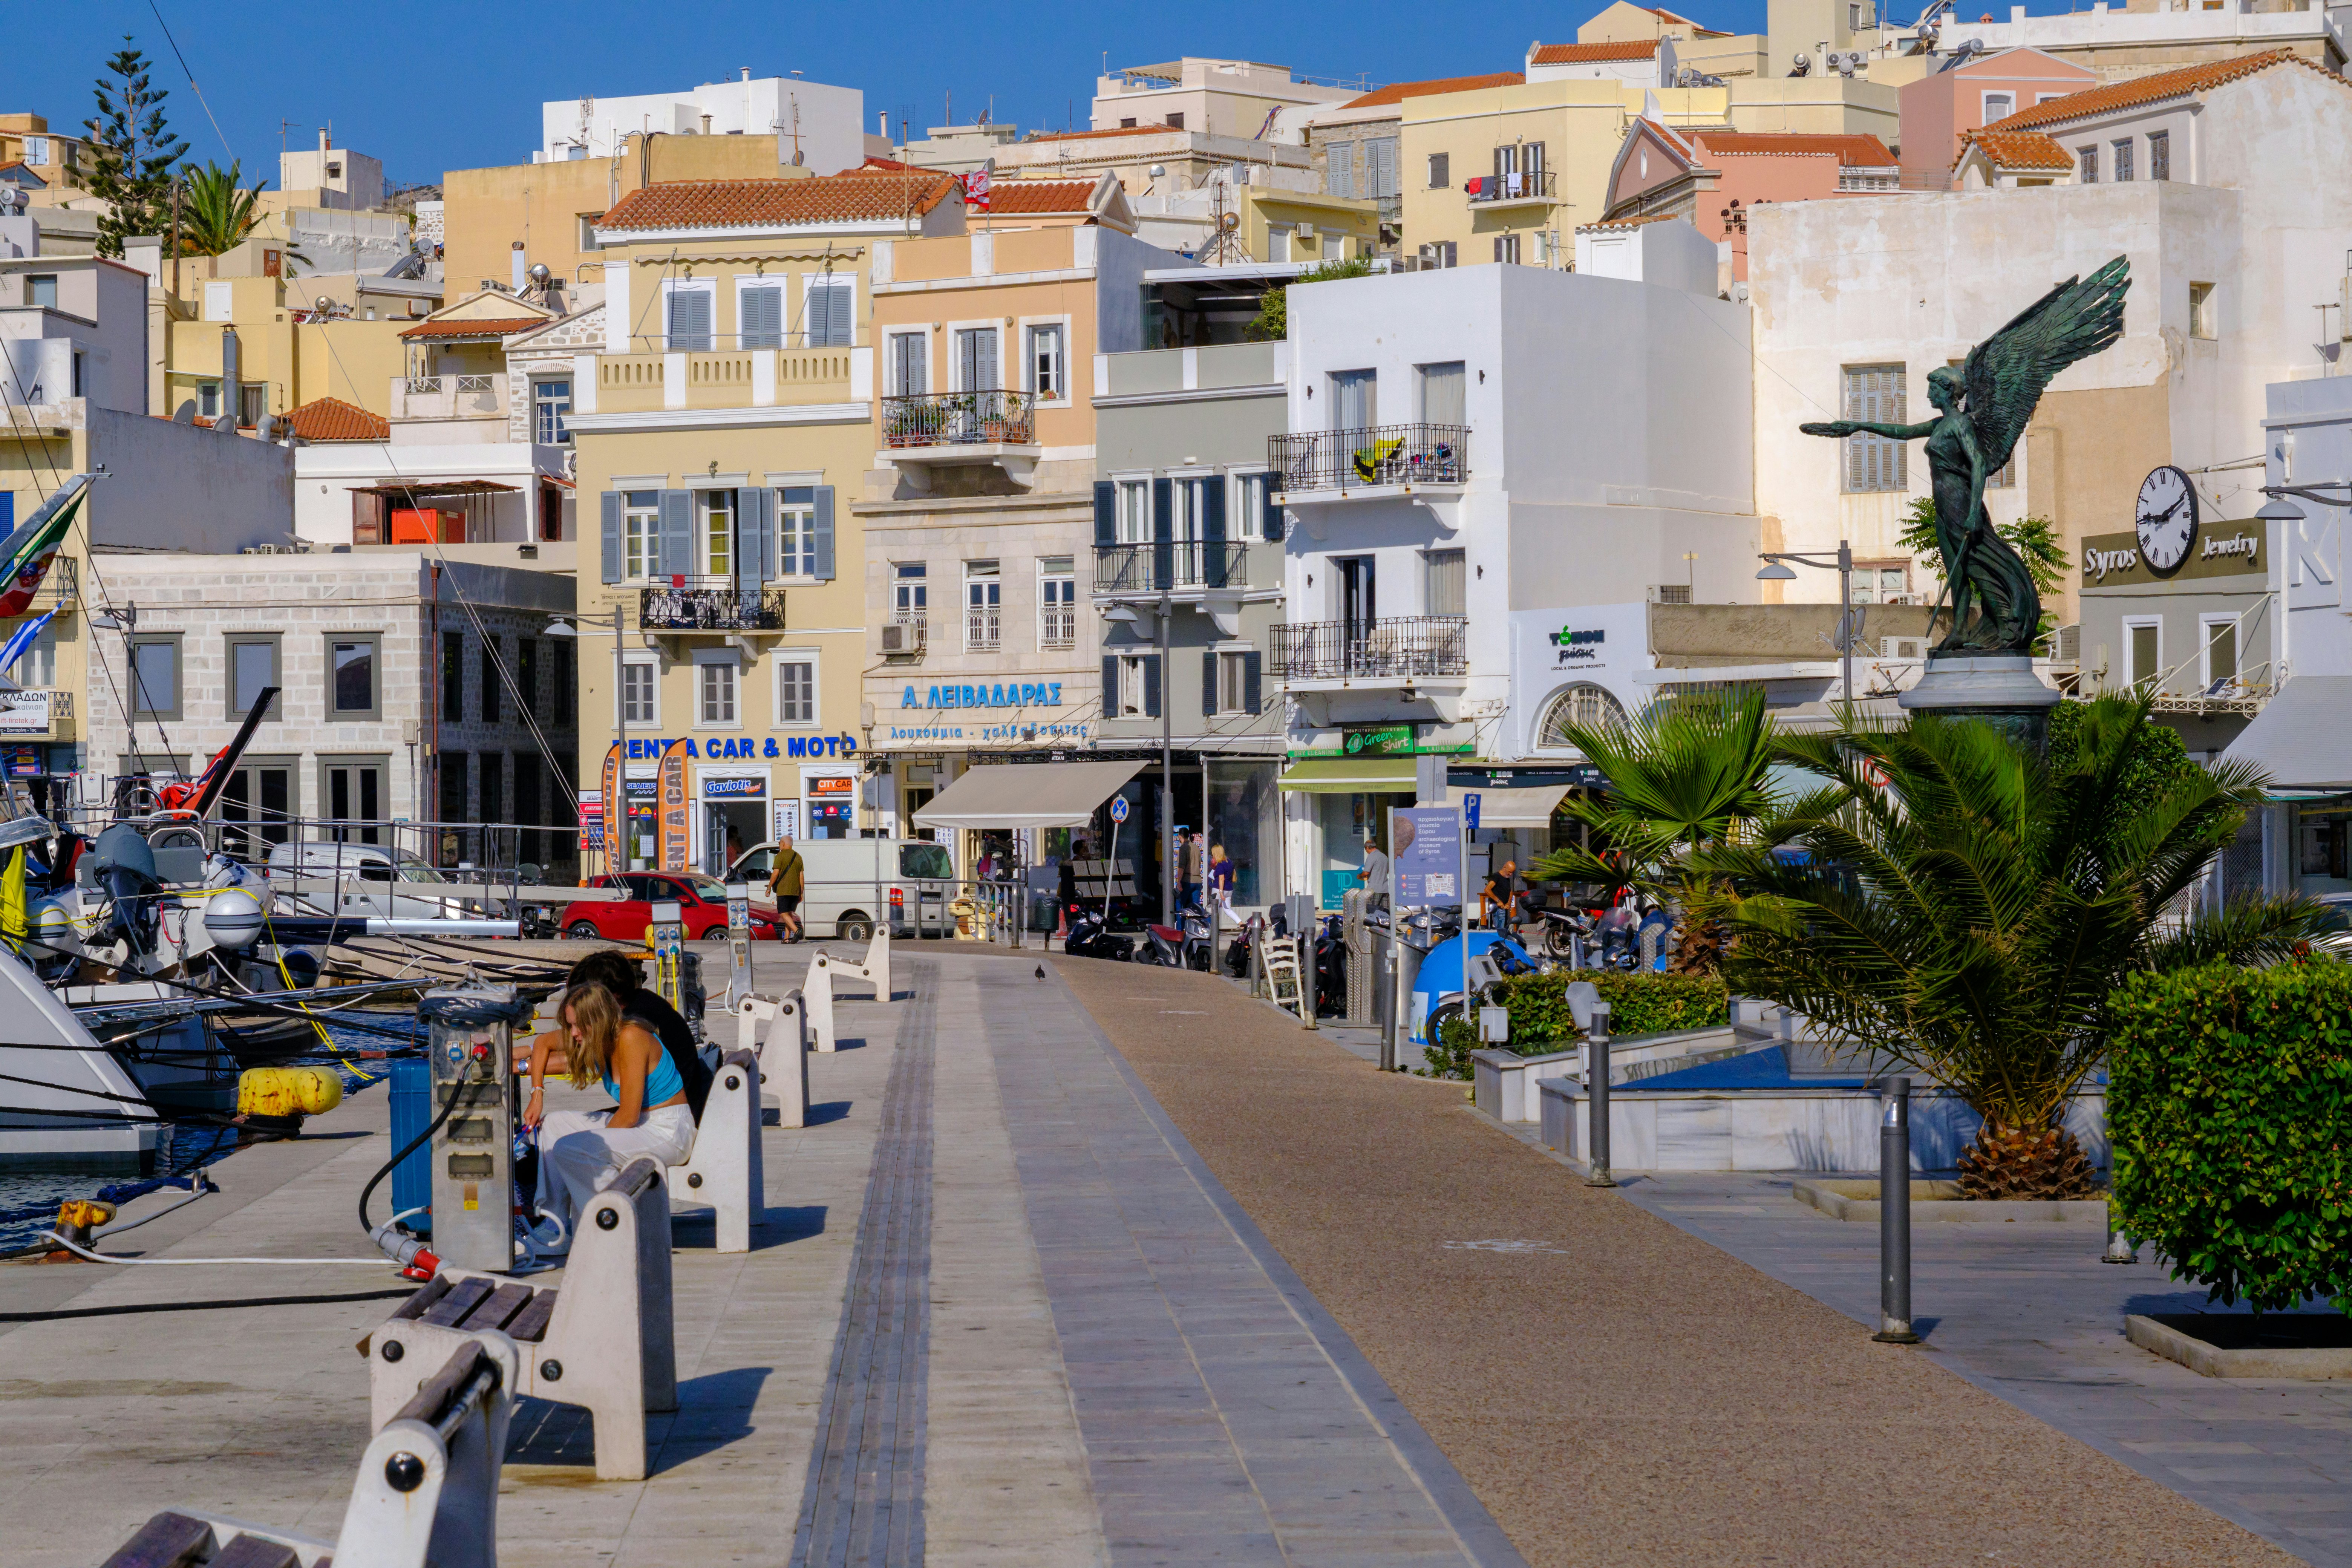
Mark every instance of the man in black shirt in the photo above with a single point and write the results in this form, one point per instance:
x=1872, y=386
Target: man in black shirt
x=1497, y=903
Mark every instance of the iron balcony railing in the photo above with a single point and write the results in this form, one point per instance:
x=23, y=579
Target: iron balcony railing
x=960, y=419
x=1389, y=648
x=1376, y=455
x=709, y=604
x=1171, y=564
x=1521, y=186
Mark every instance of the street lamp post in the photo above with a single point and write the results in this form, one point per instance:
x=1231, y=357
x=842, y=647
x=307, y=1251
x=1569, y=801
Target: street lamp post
x=1776, y=570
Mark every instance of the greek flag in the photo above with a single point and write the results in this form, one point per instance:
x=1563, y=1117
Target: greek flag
x=26, y=635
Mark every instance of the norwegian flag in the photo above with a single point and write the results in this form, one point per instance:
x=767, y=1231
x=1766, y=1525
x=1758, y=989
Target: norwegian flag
x=975, y=187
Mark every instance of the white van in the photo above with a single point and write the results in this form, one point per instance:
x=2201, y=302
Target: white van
x=848, y=882
x=369, y=882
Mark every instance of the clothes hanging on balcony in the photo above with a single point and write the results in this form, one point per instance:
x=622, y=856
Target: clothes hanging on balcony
x=1477, y=187
x=1372, y=459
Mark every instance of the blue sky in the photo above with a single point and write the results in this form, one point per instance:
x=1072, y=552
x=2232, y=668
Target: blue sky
x=432, y=85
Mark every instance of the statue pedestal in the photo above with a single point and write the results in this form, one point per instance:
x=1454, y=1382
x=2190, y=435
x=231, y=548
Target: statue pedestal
x=1998, y=688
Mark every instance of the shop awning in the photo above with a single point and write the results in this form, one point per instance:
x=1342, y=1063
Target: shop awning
x=2302, y=736
x=1513, y=807
x=1353, y=775
x=1026, y=794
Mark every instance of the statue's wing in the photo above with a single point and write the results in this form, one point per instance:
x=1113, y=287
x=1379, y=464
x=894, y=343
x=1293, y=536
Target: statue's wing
x=2006, y=373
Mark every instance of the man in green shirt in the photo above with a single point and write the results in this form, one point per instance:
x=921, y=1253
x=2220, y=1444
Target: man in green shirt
x=784, y=884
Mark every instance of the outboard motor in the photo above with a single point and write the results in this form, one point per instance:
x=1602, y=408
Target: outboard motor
x=125, y=867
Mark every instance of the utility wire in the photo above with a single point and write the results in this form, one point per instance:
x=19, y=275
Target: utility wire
x=192, y=80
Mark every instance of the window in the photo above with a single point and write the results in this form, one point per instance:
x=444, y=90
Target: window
x=550, y=402
x=354, y=791
x=1339, y=170
x=493, y=688
x=587, y=224
x=527, y=675
x=1437, y=254
x=36, y=151
x=1441, y=392
x=796, y=533
x=1232, y=687
x=1440, y=171
x=760, y=315
x=2086, y=164
x=2123, y=151
x=637, y=690
x=1447, y=590
x=1176, y=121
x=906, y=365
x=156, y=677
x=36, y=666
x=1857, y=16
x=494, y=793
x=796, y=690
x=717, y=531
x=2219, y=634
x=1874, y=584
x=1355, y=399
x=1584, y=705
x=252, y=667
x=41, y=288
x=831, y=299
x=2143, y=651
x=910, y=592
x=975, y=361
x=1057, y=601
x=2202, y=317
x=2159, y=156
x=714, y=692
x=1381, y=168
x=1506, y=248
x=1127, y=124
x=689, y=329
x=352, y=678
x=1048, y=373
x=640, y=533
x=565, y=695
x=1999, y=106
x=1258, y=517
x=1873, y=392
x=208, y=399
x=1139, y=685
x=983, y=600
x=453, y=677
x=1135, y=511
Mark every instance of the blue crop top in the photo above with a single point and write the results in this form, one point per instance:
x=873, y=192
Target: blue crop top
x=662, y=1082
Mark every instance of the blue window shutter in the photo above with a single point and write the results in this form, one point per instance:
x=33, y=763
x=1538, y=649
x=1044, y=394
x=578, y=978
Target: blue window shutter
x=1163, y=533
x=611, y=503
x=1271, y=520
x=1254, y=682
x=1152, y=682
x=676, y=533
x=1209, y=683
x=824, y=533
x=1213, y=532
x=1110, y=687
x=754, y=515
x=1106, y=514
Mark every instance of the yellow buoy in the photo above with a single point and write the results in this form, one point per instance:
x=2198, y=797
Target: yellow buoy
x=287, y=1091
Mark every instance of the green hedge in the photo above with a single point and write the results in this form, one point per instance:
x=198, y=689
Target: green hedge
x=1638, y=1005
x=2230, y=1106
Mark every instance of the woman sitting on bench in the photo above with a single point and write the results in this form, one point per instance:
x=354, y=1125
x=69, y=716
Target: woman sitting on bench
x=578, y=1151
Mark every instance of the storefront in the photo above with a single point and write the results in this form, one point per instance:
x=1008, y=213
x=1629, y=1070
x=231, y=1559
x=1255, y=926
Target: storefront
x=745, y=791
x=2302, y=742
x=1339, y=807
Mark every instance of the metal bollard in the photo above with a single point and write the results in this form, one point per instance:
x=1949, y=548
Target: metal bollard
x=1894, y=1214
x=1596, y=1099
x=1306, y=977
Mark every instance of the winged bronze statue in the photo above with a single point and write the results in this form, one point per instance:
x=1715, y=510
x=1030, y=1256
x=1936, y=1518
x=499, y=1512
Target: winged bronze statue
x=1981, y=413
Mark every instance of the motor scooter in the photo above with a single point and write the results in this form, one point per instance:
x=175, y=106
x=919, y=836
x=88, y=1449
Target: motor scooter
x=1177, y=947
x=1087, y=939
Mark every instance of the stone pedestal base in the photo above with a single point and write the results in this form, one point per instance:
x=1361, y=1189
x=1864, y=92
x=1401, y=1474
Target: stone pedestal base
x=1998, y=688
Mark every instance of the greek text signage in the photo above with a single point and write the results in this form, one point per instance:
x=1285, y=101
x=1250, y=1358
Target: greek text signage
x=1578, y=644
x=1428, y=858
x=1001, y=694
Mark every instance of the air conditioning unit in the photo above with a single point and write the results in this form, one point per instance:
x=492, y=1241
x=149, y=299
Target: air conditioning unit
x=1904, y=648
x=902, y=636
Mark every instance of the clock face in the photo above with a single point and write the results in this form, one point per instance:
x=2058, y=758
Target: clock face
x=2166, y=519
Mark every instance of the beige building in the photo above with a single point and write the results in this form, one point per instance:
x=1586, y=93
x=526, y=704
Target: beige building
x=722, y=426
x=47, y=166
x=328, y=177
x=1242, y=100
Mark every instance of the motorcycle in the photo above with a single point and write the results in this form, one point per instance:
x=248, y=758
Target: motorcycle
x=1330, y=970
x=1177, y=947
x=1087, y=937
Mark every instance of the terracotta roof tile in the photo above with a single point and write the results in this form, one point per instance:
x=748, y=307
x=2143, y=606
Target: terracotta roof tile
x=823, y=198
x=1853, y=152
x=1397, y=91
x=1586, y=54
x=332, y=419
x=1040, y=196
x=2155, y=88
x=500, y=328
x=2017, y=149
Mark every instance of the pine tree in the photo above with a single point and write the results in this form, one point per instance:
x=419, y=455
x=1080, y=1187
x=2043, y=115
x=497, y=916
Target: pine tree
x=132, y=152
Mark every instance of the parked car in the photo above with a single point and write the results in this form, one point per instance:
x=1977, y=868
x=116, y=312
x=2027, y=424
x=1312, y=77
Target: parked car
x=2337, y=940
x=702, y=905
x=848, y=883
x=372, y=882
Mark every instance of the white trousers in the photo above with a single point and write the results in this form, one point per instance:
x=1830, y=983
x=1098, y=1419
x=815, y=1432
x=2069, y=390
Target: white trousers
x=578, y=1153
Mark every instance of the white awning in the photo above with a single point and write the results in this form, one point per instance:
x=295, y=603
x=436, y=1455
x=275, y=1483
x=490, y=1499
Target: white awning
x=1515, y=807
x=2302, y=736
x=1026, y=794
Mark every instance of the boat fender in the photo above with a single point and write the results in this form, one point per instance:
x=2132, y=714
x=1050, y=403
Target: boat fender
x=287, y=1091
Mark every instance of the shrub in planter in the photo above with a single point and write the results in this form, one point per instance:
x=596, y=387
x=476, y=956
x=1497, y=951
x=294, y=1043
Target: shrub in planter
x=2230, y=1106
x=1638, y=1005
x=1450, y=1057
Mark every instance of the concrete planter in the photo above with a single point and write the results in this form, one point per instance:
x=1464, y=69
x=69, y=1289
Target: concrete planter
x=2209, y=1360
x=1939, y=1203
x=1827, y=1130
x=1505, y=1083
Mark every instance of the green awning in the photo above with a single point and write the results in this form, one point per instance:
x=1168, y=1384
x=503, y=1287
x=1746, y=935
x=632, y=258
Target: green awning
x=1354, y=776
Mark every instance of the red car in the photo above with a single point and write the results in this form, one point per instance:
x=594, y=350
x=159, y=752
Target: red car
x=702, y=904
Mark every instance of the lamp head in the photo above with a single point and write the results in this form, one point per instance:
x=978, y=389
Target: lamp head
x=2278, y=508
x=1777, y=572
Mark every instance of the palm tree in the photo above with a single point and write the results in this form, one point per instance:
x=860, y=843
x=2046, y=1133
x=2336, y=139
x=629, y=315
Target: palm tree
x=1683, y=774
x=1950, y=899
x=216, y=214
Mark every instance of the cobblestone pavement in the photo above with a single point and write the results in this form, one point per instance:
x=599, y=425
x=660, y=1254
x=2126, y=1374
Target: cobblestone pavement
x=1614, y=1389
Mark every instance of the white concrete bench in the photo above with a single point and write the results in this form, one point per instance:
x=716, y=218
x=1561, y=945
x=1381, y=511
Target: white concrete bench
x=777, y=1027
x=604, y=1342
x=724, y=1168
x=426, y=1492
x=874, y=969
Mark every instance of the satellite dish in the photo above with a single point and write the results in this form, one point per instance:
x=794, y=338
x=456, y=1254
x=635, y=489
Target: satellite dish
x=1229, y=222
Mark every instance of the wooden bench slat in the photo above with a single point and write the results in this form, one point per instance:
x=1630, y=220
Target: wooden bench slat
x=431, y=1291
x=529, y=1325
x=166, y=1541
x=252, y=1551
x=462, y=1299
x=499, y=1308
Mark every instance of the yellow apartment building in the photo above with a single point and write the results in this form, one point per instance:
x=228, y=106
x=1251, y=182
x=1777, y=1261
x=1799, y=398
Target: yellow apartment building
x=721, y=432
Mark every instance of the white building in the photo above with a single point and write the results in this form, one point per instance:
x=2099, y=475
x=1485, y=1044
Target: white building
x=2121, y=42
x=1241, y=99
x=816, y=126
x=330, y=177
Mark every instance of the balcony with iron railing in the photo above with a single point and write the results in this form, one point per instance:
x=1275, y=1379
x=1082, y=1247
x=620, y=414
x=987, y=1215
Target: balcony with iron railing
x=450, y=397
x=755, y=377
x=1175, y=565
x=1517, y=186
x=1373, y=652
x=960, y=419
x=1381, y=457
x=705, y=604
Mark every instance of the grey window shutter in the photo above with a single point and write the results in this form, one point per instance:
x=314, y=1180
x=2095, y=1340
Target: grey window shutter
x=1110, y=687
x=610, y=503
x=754, y=520
x=1106, y=514
x=1208, y=684
x=824, y=533
x=1270, y=509
x=1213, y=532
x=1151, y=686
x=1254, y=682
x=676, y=533
x=1164, y=533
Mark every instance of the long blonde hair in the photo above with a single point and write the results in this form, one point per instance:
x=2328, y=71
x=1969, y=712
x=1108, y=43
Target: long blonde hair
x=595, y=1013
